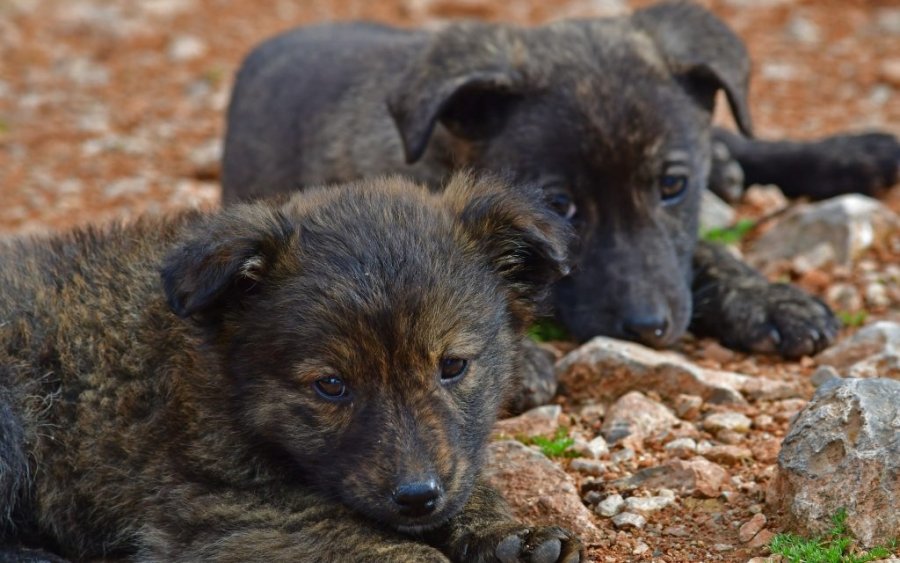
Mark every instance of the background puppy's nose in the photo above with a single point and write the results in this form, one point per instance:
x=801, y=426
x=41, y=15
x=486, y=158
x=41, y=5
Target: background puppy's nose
x=652, y=330
x=417, y=498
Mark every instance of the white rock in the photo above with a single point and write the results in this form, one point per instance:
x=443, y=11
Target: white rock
x=629, y=520
x=614, y=367
x=647, y=505
x=835, y=230
x=682, y=447
x=610, y=506
x=186, y=48
x=843, y=451
x=874, y=351
x=637, y=417
x=714, y=212
x=876, y=295
x=734, y=421
x=590, y=467
x=803, y=30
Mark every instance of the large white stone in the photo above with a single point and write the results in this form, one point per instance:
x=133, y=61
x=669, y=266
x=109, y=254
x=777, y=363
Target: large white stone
x=843, y=451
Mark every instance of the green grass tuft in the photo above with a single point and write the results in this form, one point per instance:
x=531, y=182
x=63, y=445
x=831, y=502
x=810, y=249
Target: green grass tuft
x=558, y=446
x=852, y=318
x=544, y=330
x=835, y=547
x=729, y=235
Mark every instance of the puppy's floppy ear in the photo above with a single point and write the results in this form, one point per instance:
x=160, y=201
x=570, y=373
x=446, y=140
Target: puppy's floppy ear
x=700, y=48
x=524, y=241
x=223, y=258
x=467, y=79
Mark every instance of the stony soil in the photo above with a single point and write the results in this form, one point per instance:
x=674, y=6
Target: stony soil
x=112, y=108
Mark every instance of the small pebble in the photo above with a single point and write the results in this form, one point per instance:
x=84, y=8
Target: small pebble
x=629, y=520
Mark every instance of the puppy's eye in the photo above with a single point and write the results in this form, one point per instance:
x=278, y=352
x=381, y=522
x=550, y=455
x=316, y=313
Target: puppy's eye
x=331, y=388
x=673, y=185
x=453, y=369
x=562, y=203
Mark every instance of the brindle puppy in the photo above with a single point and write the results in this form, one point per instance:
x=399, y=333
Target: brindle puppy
x=311, y=380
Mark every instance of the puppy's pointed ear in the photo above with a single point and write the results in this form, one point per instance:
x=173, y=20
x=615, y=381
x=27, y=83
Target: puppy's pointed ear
x=224, y=258
x=525, y=242
x=466, y=79
x=698, y=47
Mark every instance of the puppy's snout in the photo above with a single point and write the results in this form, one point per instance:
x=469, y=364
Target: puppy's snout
x=418, y=498
x=651, y=329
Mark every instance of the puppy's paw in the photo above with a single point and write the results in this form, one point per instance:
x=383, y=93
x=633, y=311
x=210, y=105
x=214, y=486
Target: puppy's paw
x=866, y=163
x=518, y=543
x=778, y=318
x=536, y=382
x=726, y=176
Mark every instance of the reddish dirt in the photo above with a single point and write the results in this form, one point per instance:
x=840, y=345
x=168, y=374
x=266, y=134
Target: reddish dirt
x=101, y=118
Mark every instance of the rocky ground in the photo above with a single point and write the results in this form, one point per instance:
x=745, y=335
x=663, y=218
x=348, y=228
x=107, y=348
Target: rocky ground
x=111, y=108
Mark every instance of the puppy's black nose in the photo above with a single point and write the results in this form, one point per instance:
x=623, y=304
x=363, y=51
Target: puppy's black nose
x=652, y=330
x=417, y=498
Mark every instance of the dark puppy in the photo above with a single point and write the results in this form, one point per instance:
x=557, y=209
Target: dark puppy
x=610, y=116
x=323, y=390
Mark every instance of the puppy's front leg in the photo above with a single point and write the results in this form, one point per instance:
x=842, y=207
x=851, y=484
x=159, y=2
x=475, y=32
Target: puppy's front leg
x=238, y=527
x=486, y=531
x=735, y=303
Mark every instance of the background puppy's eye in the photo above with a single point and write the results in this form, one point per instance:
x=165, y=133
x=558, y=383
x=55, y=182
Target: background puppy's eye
x=562, y=203
x=452, y=369
x=331, y=388
x=672, y=186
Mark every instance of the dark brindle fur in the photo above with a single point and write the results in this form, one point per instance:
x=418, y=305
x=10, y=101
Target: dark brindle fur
x=283, y=392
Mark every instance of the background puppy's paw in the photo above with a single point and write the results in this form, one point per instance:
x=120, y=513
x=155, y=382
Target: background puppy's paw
x=726, y=176
x=866, y=163
x=779, y=318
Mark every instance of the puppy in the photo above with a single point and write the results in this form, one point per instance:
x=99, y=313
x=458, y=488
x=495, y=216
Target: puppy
x=307, y=380
x=611, y=117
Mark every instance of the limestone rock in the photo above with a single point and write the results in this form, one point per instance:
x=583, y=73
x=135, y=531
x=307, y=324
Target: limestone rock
x=540, y=421
x=874, y=351
x=538, y=490
x=696, y=476
x=636, y=417
x=610, y=368
x=714, y=212
x=836, y=230
x=610, y=506
x=734, y=421
x=843, y=451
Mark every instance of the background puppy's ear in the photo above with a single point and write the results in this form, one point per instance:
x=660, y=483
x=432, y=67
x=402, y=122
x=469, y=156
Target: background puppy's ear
x=466, y=79
x=524, y=240
x=699, y=46
x=228, y=255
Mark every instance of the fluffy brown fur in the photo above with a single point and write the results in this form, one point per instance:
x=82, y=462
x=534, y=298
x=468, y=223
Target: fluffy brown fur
x=281, y=393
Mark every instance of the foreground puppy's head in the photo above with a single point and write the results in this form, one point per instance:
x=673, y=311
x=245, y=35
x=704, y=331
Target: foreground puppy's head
x=368, y=332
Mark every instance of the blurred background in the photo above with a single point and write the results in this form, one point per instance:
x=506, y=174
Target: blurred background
x=109, y=108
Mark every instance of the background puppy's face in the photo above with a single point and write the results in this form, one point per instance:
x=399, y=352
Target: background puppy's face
x=612, y=119
x=373, y=343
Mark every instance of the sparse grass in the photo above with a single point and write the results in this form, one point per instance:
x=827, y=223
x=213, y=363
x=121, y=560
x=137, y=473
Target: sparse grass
x=852, y=318
x=214, y=76
x=558, y=446
x=544, y=330
x=729, y=235
x=836, y=547
x=4, y=126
